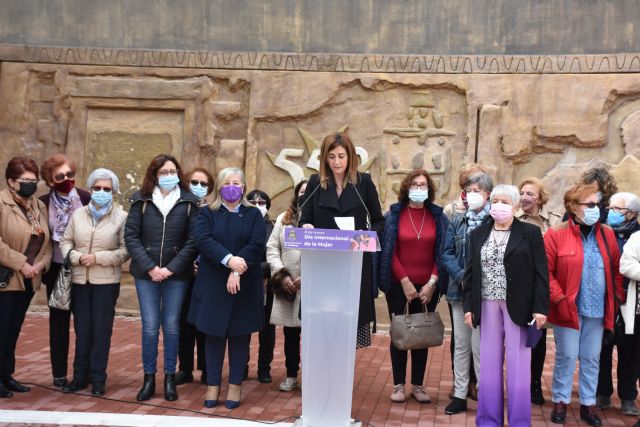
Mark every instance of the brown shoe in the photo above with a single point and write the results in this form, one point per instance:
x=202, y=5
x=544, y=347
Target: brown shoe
x=420, y=394
x=473, y=391
x=559, y=413
x=398, y=395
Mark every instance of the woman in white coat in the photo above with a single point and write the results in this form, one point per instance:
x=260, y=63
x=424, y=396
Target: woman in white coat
x=285, y=282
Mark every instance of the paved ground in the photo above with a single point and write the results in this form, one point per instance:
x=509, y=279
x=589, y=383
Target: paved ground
x=260, y=401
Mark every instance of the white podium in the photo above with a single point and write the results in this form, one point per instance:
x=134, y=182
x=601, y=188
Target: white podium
x=330, y=301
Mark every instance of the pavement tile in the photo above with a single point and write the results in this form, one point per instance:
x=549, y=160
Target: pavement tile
x=262, y=402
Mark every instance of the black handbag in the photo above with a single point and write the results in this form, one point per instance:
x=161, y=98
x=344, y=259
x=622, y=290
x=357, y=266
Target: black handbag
x=5, y=276
x=609, y=338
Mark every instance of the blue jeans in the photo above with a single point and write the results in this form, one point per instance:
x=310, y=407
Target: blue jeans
x=160, y=303
x=571, y=345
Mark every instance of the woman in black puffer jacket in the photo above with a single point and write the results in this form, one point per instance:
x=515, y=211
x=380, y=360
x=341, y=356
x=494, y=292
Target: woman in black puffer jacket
x=158, y=238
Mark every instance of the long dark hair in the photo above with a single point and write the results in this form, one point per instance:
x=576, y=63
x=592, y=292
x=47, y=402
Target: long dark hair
x=151, y=179
x=291, y=214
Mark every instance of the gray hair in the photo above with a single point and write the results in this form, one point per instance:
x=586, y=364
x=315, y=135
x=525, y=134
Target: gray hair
x=631, y=201
x=102, y=173
x=223, y=175
x=511, y=191
x=483, y=180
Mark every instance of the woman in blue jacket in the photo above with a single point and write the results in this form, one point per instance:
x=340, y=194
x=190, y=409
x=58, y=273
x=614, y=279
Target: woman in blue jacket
x=227, y=297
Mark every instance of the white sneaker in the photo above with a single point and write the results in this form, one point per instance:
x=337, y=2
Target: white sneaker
x=289, y=384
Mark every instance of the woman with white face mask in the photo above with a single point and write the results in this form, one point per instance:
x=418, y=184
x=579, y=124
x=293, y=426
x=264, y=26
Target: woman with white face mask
x=583, y=258
x=410, y=269
x=506, y=286
x=467, y=340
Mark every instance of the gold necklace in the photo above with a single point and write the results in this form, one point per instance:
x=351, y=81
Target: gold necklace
x=418, y=233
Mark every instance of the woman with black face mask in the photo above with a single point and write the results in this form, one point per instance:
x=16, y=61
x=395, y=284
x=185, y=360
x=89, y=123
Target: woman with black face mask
x=63, y=199
x=25, y=254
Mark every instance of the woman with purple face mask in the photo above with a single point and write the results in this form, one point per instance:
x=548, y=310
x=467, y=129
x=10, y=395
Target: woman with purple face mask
x=506, y=286
x=227, y=301
x=533, y=200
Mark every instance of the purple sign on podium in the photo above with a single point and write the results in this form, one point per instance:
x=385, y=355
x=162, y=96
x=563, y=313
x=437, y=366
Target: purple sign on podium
x=331, y=240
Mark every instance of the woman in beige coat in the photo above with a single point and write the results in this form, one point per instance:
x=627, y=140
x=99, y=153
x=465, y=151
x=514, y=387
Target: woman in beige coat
x=94, y=240
x=25, y=253
x=285, y=281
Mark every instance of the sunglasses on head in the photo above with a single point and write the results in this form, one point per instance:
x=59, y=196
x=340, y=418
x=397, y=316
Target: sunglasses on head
x=62, y=176
x=99, y=188
x=195, y=182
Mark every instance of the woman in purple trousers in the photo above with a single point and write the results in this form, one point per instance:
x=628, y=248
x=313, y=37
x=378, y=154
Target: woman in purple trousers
x=506, y=286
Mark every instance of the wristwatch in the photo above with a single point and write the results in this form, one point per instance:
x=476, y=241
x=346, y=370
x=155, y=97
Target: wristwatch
x=432, y=283
x=236, y=274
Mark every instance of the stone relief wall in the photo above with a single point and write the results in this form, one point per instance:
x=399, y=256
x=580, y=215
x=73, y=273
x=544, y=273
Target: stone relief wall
x=269, y=118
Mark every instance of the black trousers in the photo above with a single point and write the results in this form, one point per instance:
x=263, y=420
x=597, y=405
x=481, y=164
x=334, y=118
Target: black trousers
x=59, y=324
x=292, y=350
x=94, y=308
x=628, y=366
x=13, y=308
x=396, y=302
x=266, y=337
x=538, y=354
x=190, y=337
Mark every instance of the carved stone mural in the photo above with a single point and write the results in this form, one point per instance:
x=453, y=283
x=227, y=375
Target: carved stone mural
x=547, y=116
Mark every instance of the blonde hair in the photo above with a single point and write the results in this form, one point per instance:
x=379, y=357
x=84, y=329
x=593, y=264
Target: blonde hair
x=330, y=143
x=223, y=175
x=542, y=192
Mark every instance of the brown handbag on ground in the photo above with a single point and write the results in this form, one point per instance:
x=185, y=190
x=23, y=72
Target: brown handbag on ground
x=416, y=331
x=61, y=295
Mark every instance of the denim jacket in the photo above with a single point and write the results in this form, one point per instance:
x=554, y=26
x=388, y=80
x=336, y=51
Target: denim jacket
x=388, y=243
x=453, y=257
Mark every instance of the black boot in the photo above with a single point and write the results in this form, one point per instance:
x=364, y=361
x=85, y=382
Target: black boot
x=536, y=393
x=148, y=388
x=5, y=393
x=170, y=390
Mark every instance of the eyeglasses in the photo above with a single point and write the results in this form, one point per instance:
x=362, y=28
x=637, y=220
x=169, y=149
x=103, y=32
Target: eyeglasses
x=622, y=211
x=419, y=186
x=99, y=188
x=61, y=176
x=195, y=182
x=168, y=172
x=590, y=205
x=259, y=202
x=27, y=180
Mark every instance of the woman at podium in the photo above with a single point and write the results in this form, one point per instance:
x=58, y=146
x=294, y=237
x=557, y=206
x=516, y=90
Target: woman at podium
x=339, y=190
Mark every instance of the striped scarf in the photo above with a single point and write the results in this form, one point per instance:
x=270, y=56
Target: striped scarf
x=28, y=211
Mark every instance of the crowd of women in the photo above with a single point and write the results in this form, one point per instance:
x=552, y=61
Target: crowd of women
x=212, y=272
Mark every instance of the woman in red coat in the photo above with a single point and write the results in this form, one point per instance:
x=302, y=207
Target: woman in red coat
x=583, y=258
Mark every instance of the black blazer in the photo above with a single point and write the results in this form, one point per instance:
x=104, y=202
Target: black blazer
x=320, y=208
x=525, y=264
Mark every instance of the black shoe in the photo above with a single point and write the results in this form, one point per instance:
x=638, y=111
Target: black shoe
x=13, y=385
x=148, y=388
x=170, y=390
x=98, y=389
x=184, y=377
x=5, y=393
x=60, y=382
x=589, y=414
x=75, y=385
x=264, y=377
x=559, y=413
x=456, y=406
x=536, y=394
